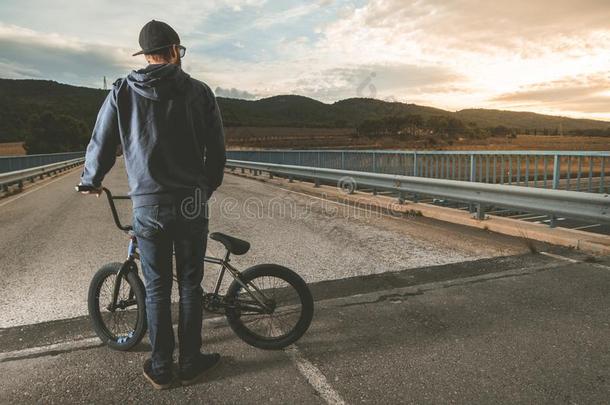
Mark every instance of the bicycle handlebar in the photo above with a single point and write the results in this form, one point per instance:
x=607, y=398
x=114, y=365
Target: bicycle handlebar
x=111, y=198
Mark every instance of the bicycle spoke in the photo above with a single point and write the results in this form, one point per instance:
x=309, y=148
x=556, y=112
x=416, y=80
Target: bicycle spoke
x=282, y=295
x=122, y=321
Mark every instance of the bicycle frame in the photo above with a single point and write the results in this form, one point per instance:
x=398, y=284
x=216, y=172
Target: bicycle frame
x=225, y=265
x=133, y=255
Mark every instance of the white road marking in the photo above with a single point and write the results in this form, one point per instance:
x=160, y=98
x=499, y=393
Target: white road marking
x=587, y=226
x=567, y=259
x=314, y=376
x=60, y=176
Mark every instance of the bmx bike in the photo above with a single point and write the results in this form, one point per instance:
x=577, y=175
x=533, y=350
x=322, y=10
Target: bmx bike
x=267, y=306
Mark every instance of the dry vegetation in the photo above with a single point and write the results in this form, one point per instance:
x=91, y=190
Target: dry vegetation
x=345, y=138
x=11, y=149
x=535, y=142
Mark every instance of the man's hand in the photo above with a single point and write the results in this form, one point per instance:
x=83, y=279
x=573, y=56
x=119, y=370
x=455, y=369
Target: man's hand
x=89, y=189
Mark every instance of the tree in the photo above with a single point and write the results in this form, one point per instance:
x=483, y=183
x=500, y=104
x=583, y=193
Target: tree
x=455, y=127
x=500, y=130
x=50, y=133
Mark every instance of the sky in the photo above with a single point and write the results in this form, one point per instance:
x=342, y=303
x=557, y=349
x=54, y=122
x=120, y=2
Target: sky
x=546, y=56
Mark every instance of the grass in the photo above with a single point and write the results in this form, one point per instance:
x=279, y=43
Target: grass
x=12, y=149
x=345, y=138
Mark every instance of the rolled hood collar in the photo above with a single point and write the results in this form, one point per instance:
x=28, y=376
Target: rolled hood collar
x=158, y=81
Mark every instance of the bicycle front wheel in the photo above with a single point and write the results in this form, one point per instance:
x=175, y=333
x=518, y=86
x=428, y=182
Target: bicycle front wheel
x=287, y=311
x=121, y=327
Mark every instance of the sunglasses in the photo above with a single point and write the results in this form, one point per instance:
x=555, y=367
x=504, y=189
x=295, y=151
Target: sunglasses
x=181, y=49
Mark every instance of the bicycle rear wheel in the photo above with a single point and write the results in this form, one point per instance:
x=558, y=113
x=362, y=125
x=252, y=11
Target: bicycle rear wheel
x=124, y=327
x=289, y=307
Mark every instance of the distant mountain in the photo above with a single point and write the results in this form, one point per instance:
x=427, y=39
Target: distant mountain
x=522, y=120
x=20, y=99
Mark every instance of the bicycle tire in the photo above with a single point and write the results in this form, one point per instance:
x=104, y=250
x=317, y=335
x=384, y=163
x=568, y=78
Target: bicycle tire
x=97, y=320
x=289, y=337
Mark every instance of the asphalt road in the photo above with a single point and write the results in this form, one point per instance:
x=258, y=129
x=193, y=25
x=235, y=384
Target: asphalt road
x=523, y=329
x=408, y=310
x=54, y=239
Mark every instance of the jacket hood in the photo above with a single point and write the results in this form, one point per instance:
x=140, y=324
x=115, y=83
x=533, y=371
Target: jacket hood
x=158, y=82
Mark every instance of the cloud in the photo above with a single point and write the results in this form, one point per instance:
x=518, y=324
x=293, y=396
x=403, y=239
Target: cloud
x=448, y=53
x=27, y=53
x=467, y=23
x=589, y=94
x=494, y=47
x=377, y=81
x=285, y=15
x=12, y=70
x=104, y=20
x=234, y=93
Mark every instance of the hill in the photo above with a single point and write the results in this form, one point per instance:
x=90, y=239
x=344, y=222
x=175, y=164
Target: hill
x=522, y=120
x=21, y=99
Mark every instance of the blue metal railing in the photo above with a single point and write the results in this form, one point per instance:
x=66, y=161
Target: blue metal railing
x=14, y=163
x=569, y=170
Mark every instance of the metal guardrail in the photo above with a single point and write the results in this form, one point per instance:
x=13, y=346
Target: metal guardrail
x=20, y=176
x=571, y=204
x=14, y=163
x=568, y=170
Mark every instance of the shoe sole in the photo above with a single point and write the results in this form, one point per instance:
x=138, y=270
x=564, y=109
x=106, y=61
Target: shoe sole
x=155, y=385
x=196, y=379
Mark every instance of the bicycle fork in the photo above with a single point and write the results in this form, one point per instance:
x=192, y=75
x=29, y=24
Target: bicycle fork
x=128, y=265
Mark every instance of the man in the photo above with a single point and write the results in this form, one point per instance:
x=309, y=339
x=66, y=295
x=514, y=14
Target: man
x=171, y=133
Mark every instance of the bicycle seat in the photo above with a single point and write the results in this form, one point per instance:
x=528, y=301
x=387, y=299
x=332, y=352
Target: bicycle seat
x=233, y=245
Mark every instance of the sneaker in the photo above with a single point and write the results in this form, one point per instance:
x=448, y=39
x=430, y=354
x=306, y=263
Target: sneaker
x=158, y=382
x=205, y=363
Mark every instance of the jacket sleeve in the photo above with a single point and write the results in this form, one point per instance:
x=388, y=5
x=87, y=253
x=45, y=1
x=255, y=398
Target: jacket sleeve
x=215, y=153
x=101, y=151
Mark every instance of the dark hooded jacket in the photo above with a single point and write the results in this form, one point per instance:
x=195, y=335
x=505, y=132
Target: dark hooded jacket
x=171, y=132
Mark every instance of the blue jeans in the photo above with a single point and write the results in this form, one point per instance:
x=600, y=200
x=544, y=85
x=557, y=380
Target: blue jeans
x=161, y=229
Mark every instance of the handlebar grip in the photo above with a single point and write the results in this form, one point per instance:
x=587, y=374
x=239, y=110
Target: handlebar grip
x=82, y=187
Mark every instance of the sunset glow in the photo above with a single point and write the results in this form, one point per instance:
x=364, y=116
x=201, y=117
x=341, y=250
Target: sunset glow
x=547, y=56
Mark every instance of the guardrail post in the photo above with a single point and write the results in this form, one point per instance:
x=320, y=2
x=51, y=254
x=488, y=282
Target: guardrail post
x=556, y=178
x=290, y=179
x=374, y=162
x=473, y=168
x=480, y=212
x=317, y=183
x=472, y=177
x=415, y=164
x=270, y=175
x=342, y=160
x=401, y=197
x=556, y=172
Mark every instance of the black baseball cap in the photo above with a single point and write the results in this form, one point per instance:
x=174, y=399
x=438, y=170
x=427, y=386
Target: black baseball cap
x=156, y=35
